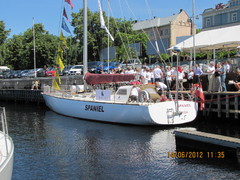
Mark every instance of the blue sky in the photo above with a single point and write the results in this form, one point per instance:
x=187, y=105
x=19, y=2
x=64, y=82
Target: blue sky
x=18, y=14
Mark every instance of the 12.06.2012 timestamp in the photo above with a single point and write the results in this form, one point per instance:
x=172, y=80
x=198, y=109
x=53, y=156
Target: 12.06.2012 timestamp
x=196, y=154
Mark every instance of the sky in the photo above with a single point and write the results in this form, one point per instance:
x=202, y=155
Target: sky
x=18, y=15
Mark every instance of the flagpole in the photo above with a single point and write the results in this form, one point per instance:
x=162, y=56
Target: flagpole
x=34, y=51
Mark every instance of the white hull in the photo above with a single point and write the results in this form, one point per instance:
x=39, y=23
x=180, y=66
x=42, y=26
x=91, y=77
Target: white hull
x=161, y=113
x=6, y=159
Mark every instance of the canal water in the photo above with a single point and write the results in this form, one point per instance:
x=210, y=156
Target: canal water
x=49, y=146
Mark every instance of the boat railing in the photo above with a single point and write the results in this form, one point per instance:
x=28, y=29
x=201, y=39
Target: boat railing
x=4, y=128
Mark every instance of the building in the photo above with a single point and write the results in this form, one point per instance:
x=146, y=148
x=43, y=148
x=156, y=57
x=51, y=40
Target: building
x=223, y=15
x=165, y=32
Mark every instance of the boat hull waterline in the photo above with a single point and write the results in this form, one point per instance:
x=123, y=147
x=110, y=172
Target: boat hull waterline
x=162, y=113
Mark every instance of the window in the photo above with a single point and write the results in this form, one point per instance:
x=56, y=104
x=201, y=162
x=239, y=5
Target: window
x=166, y=32
x=234, y=17
x=161, y=33
x=208, y=22
x=151, y=34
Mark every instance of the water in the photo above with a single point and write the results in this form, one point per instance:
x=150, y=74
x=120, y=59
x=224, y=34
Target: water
x=51, y=146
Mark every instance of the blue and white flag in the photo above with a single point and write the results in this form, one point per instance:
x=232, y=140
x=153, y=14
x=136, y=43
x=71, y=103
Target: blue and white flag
x=103, y=22
x=65, y=27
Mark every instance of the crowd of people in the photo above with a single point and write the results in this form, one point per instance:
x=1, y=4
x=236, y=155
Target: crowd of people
x=170, y=75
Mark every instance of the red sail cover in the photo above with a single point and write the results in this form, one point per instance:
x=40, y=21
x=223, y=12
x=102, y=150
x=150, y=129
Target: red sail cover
x=107, y=78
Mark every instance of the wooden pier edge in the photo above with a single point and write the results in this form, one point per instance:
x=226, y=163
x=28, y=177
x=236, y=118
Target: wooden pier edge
x=215, y=139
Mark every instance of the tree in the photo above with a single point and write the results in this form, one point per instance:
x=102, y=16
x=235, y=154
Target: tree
x=20, y=54
x=3, y=33
x=120, y=29
x=3, y=37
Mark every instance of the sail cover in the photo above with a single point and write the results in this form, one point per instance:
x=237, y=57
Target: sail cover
x=107, y=78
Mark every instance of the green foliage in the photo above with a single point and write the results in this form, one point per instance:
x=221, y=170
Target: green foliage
x=120, y=29
x=19, y=53
x=3, y=33
x=3, y=37
x=165, y=56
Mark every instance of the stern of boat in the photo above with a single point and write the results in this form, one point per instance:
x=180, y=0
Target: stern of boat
x=166, y=113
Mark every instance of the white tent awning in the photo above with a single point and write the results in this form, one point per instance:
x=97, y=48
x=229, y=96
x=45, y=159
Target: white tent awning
x=222, y=38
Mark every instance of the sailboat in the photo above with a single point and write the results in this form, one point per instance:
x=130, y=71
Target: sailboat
x=107, y=105
x=6, y=149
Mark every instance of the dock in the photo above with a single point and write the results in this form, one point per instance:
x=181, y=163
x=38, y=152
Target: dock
x=222, y=104
x=219, y=104
x=215, y=139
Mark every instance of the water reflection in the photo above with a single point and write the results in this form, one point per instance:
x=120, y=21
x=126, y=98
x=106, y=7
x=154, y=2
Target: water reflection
x=101, y=146
x=51, y=146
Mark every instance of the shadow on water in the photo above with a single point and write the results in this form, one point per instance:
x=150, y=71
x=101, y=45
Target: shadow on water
x=51, y=146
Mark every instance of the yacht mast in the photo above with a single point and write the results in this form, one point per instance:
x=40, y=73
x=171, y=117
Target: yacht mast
x=85, y=48
x=193, y=32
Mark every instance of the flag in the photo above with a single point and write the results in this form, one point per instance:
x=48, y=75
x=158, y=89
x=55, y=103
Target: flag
x=65, y=27
x=199, y=93
x=103, y=22
x=60, y=51
x=70, y=3
x=65, y=14
x=56, y=74
x=60, y=63
x=62, y=38
x=55, y=85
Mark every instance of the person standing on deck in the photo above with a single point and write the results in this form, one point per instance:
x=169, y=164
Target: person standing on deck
x=217, y=79
x=223, y=76
x=157, y=73
x=190, y=78
x=169, y=77
x=211, y=71
x=197, y=73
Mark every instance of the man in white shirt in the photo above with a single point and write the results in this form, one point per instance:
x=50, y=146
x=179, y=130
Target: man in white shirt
x=161, y=87
x=211, y=79
x=134, y=94
x=157, y=73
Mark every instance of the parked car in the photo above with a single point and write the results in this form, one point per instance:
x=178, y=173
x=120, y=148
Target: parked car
x=31, y=73
x=104, y=66
x=92, y=65
x=8, y=74
x=23, y=73
x=16, y=73
x=66, y=69
x=41, y=72
x=76, y=70
x=50, y=72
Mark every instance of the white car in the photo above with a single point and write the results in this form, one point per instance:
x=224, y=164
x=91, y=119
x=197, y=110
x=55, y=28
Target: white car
x=131, y=63
x=76, y=70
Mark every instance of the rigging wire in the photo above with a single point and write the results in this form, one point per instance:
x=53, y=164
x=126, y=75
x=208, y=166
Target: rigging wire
x=125, y=48
x=142, y=28
x=155, y=30
x=125, y=28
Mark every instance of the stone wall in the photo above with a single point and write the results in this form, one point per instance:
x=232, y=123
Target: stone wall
x=26, y=83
